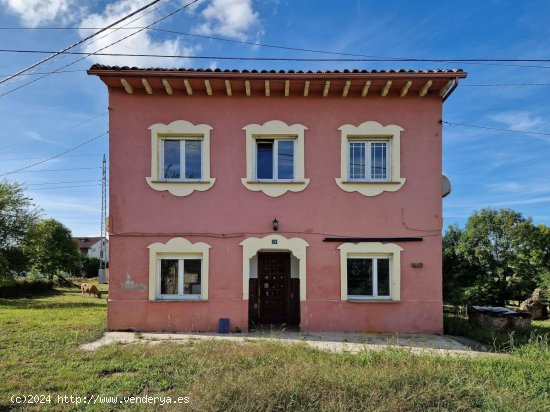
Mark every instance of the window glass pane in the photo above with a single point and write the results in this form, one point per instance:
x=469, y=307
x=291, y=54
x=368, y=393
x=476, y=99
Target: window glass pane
x=383, y=277
x=192, y=277
x=357, y=160
x=264, y=159
x=286, y=159
x=169, y=277
x=378, y=160
x=171, y=159
x=360, y=277
x=193, y=159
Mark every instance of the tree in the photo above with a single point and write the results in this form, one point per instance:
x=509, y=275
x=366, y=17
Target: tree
x=52, y=249
x=499, y=256
x=17, y=215
x=90, y=266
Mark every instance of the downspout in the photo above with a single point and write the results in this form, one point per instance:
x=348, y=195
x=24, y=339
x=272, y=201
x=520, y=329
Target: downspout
x=451, y=90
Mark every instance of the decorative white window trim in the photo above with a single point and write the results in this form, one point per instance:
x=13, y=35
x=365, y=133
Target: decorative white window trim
x=179, y=248
x=371, y=130
x=179, y=129
x=252, y=245
x=275, y=129
x=371, y=250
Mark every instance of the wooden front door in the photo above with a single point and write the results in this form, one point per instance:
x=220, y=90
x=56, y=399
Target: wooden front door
x=274, y=288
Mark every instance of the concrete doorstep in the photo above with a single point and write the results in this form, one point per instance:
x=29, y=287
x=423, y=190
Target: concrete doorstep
x=330, y=342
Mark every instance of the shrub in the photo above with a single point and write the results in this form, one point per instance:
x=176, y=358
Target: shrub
x=90, y=266
x=25, y=287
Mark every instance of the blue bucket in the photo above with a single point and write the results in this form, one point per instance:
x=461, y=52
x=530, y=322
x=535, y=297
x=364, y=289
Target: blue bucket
x=223, y=325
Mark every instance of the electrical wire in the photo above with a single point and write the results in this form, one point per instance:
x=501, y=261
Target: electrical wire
x=55, y=156
x=59, y=170
x=78, y=42
x=65, y=187
x=495, y=128
x=299, y=59
x=103, y=48
x=66, y=182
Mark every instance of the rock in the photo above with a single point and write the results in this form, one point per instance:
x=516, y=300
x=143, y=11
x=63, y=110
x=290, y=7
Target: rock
x=535, y=305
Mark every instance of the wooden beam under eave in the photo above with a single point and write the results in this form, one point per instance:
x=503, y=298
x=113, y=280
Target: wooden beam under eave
x=365, y=88
x=208, y=87
x=445, y=88
x=129, y=89
x=326, y=89
x=247, y=87
x=167, y=87
x=287, y=88
x=147, y=86
x=267, y=91
x=306, y=88
x=228, y=87
x=188, y=87
x=386, y=88
x=406, y=88
x=346, y=88
x=425, y=88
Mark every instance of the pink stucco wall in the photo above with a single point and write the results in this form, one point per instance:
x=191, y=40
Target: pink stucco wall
x=140, y=215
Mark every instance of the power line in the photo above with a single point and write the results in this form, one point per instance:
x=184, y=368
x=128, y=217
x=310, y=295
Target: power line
x=64, y=187
x=58, y=183
x=38, y=158
x=59, y=170
x=78, y=42
x=103, y=48
x=495, y=128
x=301, y=59
x=55, y=156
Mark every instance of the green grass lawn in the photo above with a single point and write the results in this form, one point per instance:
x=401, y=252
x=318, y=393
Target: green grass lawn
x=39, y=355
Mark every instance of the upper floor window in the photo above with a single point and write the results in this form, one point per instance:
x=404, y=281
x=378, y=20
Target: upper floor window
x=274, y=159
x=180, y=157
x=370, y=160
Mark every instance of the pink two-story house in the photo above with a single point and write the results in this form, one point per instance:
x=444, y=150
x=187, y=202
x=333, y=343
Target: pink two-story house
x=295, y=198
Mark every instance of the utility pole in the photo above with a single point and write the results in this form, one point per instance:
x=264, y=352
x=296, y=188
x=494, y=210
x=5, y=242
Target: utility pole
x=102, y=255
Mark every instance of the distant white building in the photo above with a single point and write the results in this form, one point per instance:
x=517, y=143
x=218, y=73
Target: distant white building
x=91, y=246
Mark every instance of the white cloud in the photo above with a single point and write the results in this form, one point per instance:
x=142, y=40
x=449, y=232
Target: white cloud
x=229, y=18
x=140, y=43
x=519, y=120
x=34, y=13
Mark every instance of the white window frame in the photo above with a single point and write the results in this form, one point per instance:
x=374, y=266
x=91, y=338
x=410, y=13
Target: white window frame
x=182, y=141
x=371, y=131
x=371, y=250
x=275, y=129
x=179, y=130
x=275, y=159
x=375, y=259
x=177, y=248
x=181, y=268
x=368, y=160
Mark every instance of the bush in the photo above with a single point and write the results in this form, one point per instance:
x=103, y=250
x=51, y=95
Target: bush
x=23, y=288
x=90, y=266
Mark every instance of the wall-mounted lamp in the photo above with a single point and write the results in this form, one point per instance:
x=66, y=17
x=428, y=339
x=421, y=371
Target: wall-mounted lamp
x=275, y=225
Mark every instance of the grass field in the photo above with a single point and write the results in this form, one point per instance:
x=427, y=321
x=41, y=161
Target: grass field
x=39, y=355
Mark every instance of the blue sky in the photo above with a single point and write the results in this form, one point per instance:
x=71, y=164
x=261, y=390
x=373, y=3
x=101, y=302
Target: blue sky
x=487, y=167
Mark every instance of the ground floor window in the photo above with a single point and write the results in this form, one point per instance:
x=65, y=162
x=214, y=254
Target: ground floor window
x=368, y=277
x=179, y=277
x=370, y=271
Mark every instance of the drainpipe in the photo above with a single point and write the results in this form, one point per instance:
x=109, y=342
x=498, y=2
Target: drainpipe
x=451, y=90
